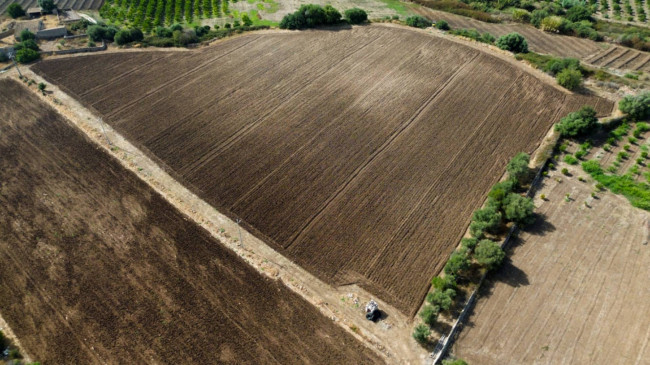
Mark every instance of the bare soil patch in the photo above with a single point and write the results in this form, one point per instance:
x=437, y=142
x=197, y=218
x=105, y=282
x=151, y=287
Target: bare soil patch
x=98, y=268
x=360, y=154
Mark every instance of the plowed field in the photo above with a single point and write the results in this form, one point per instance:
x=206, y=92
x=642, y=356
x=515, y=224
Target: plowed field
x=97, y=268
x=359, y=153
x=576, y=288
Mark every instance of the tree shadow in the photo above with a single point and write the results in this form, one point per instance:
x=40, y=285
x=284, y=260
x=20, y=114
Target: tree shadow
x=539, y=227
x=511, y=275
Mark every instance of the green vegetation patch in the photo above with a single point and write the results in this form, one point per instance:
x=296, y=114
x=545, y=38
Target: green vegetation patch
x=638, y=193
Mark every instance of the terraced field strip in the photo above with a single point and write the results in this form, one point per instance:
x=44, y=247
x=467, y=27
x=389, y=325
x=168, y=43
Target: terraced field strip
x=316, y=140
x=61, y=4
x=621, y=58
x=95, y=267
x=574, y=289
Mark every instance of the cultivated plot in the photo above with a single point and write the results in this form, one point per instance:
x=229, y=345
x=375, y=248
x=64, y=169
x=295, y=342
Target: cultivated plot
x=360, y=154
x=575, y=289
x=95, y=267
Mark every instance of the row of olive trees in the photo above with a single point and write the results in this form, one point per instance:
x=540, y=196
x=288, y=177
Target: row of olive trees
x=312, y=16
x=504, y=205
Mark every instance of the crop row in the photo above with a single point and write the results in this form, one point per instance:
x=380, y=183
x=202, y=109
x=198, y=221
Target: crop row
x=147, y=14
x=630, y=10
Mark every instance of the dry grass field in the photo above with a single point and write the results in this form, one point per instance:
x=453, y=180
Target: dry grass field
x=97, y=268
x=576, y=288
x=360, y=154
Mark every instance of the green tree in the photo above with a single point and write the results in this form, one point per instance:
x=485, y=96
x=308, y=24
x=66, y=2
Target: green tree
x=15, y=10
x=499, y=192
x=429, y=314
x=442, y=25
x=442, y=299
x=46, y=5
x=489, y=215
x=489, y=254
x=26, y=35
x=578, y=13
x=519, y=209
x=246, y=20
x=517, y=168
x=41, y=86
x=356, y=16
x=469, y=243
x=578, y=123
x=27, y=55
x=637, y=107
x=513, y=42
x=569, y=79
x=458, y=262
x=421, y=334
x=448, y=282
x=418, y=22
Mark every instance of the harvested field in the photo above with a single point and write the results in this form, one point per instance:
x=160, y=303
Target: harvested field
x=61, y=4
x=575, y=290
x=363, y=166
x=95, y=267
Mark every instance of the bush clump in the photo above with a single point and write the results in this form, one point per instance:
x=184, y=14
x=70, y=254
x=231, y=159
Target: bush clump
x=418, y=22
x=637, y=107
x=101, y=32
x=126, y=36
x=311, y=16
x=519, y=209
x=356, y=16
x=569, y=78
x=443, y=299
x=457, y=263
x=429, y=314
x=442, y=25
x=421, y=334
x=513, y=42
x=577, y=123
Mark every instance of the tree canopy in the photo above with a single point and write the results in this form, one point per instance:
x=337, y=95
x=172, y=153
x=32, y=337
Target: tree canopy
x=15, y=10
x=638, y=107
x=578, y=123
x=311, y=16
x=513, y=42
x=489, y=254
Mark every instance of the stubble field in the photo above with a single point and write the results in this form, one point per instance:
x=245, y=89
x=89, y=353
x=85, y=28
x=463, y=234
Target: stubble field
x=360, y=154
x=95, y=267
x=575, y=290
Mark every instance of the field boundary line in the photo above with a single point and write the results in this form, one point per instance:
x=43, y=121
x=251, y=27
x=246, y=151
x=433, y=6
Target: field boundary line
x=255, y=252
x=300, y=233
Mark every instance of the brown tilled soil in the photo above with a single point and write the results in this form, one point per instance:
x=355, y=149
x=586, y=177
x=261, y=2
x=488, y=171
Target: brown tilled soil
x=97, y=268
x=358, y=153
x=575, y=290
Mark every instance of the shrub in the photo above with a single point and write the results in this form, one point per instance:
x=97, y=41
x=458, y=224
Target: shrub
x=577, y=123
x=454, y=362
x=46, y=5
x=499, y=192
x=458, y=262
x=442, y=299
x=163, y=32
x=578, y=13
x=489, y=254
x=99, y=32
x=487, y=38
x=311, y=16
x=246, y=20
x=442, y=25
x=126, y=36
x=28, y=44
x=553, y=24
x=637, y=107
x=557, y=65
x=15, y=10
x=570, y=160
x=27, y=55
x=569, y=78
x=183, y=38
x=418, y=22
x=26, y=35
x=356, y=16
x=521, y=15
x=519, y=209
x=41, y=86
x=421, y=334
x=537, y=16
x=513, y=42
x=176, y=27
x=429, y=314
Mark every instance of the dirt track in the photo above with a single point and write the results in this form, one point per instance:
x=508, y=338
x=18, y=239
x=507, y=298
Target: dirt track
x=97, y=268
x=576, y=288
x=341, y=161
